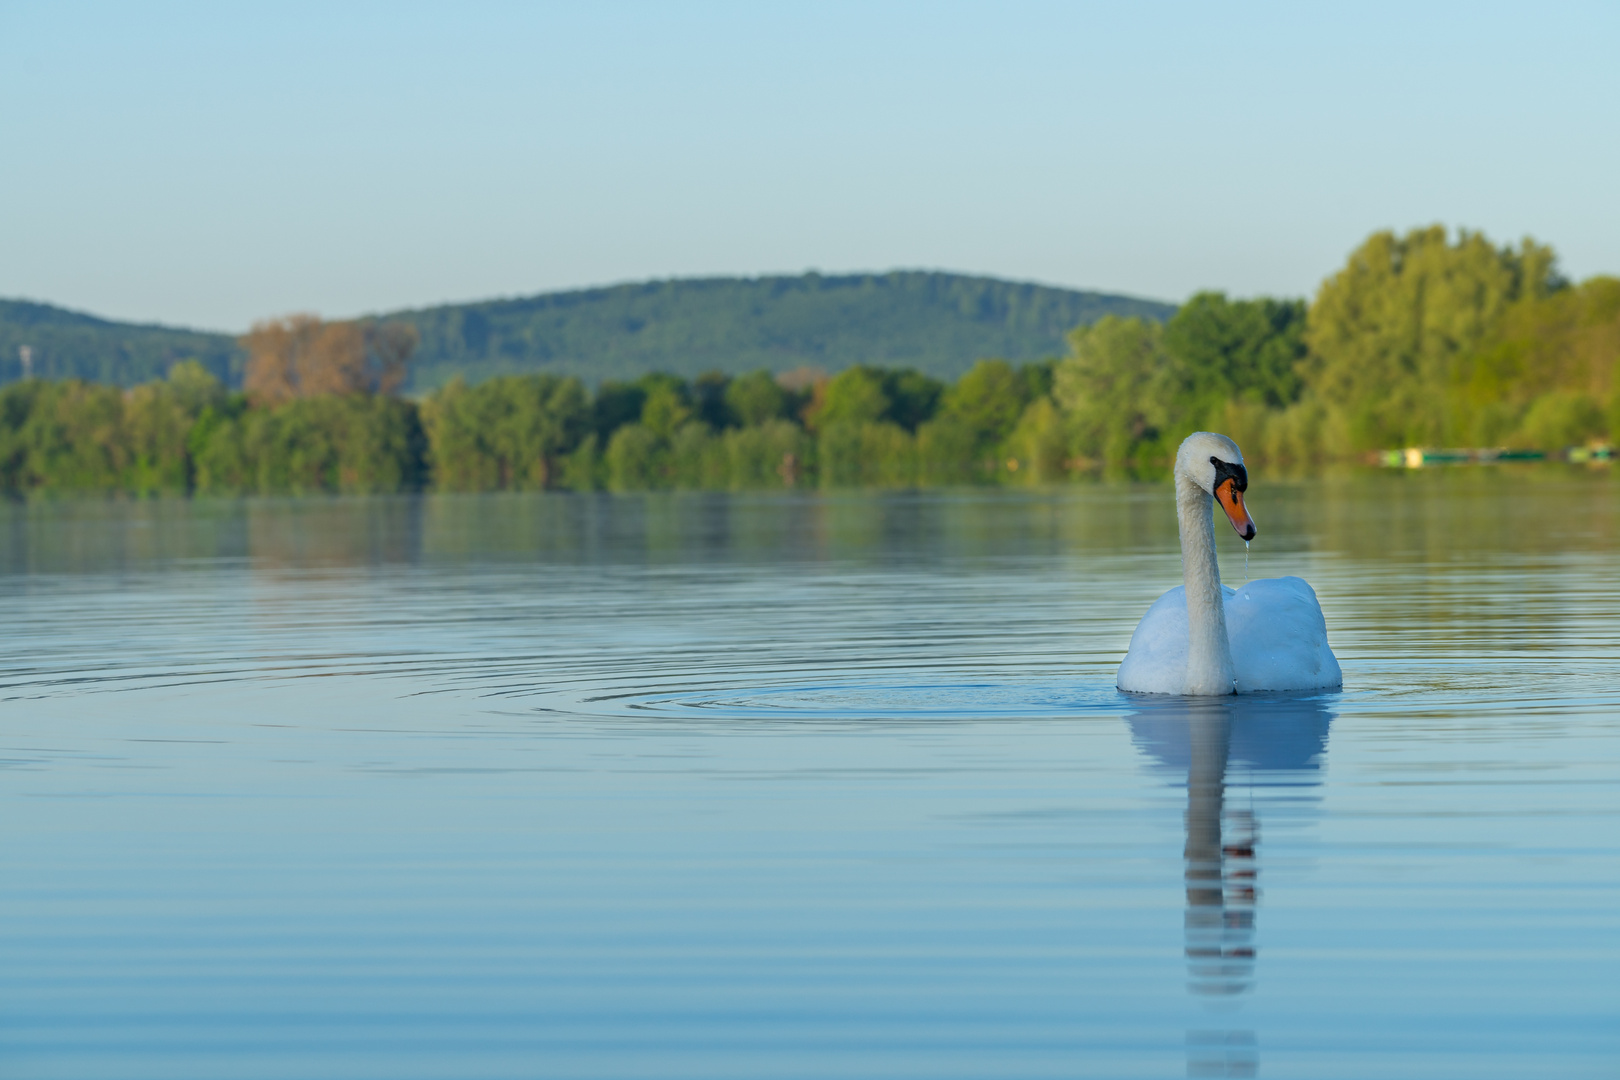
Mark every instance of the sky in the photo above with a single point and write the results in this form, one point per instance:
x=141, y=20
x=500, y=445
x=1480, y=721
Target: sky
x=213, y=164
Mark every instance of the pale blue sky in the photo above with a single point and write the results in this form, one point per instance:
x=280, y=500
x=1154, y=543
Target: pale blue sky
x=211, y=164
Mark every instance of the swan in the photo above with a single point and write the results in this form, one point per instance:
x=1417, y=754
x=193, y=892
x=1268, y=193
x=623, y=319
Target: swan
x=1200, y=638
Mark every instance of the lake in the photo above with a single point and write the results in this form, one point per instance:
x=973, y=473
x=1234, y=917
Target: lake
x=804, y=786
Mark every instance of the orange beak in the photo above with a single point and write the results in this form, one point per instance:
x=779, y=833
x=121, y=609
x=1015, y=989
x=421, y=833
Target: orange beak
x=1231, y=500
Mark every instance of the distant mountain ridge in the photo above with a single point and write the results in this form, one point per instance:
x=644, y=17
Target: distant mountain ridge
x=935, y=322
x=64, y=344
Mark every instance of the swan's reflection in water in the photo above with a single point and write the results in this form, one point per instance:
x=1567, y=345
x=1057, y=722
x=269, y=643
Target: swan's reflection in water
x=1259, y=741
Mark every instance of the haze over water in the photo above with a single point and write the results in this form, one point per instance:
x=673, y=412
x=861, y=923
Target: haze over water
x=803, y=786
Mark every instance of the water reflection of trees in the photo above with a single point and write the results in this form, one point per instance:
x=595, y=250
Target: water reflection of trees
x=1387, y=518
x=1274, y=739
x=1413, y=527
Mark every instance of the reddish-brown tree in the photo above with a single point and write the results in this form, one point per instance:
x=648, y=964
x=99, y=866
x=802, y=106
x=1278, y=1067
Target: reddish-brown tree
x=303, y=356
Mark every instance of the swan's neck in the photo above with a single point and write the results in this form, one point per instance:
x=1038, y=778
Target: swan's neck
x=1209, y=650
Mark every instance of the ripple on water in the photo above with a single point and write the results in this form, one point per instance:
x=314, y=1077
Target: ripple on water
x=855, y=794
x=841, y=700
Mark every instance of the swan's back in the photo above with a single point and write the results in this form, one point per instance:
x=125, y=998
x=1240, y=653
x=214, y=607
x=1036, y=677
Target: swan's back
x=1278, y=635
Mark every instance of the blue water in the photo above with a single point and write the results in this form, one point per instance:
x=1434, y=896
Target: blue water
x=803, y=786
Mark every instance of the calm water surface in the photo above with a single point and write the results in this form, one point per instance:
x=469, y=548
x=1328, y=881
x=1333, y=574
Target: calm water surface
x=804, y=786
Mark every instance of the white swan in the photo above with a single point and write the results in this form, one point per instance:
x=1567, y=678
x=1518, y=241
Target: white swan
x=1200, y=638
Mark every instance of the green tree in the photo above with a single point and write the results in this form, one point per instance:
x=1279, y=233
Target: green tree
x=158, y=420
x=853, y=396
x=511, y=432
x=1038, y=447
x=708, y=399
x=1245, y=349
x=62, y=437
x=1397, y=331
x=949, y=452
x=870, y=454
x=1560, y=419
x=862, y=394
x=637, y=460
x=582, y=466
x=755, y=398
x=1564, y=348
x=913, y=397
x=698, y=459
x=617, y=404
x=988, y=400
x=1117, y=387
x=217, y=449
x=773, y=454
x=665, y=410
x=353, y=444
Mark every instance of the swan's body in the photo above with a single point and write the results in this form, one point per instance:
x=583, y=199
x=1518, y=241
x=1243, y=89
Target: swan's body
x=1201, y=638
x=1277, y=633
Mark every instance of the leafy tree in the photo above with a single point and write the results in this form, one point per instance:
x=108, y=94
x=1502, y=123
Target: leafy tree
x=862, y=394
x=637, y=460
x=1562, y=418
x=1037, y=378
x=698, y=459
x=158, y=421
x=988, y=401
x=63, y=436
x=1396, y=331
x=665, y=410
x=353, y=444
x=302, y=356
x=217, y=447
x=708, y=398
x=1565, y=346
x=755, y=398
x=510, y=432
x=582, y=466
x=616, y=405
x=1116, y=385
x=913, y=397
x=195, y=388
x=854, y=396
x=1038, y=448
x=869, y=454
x=1245, y=349
x=772, y=454
x=950, y=452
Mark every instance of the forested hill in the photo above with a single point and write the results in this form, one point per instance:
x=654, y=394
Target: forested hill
x=65, y=344
x=934, y=322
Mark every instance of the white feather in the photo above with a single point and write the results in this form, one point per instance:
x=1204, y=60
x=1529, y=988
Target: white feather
x=1278, y=635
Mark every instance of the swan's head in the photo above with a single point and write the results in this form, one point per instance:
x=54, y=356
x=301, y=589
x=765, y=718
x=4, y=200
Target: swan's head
x=1215, y=464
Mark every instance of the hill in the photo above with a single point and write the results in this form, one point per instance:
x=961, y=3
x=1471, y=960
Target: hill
x=68, y=344
x=935, y=322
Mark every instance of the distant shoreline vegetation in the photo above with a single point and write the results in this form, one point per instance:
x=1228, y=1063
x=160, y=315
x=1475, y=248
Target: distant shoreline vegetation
x=1419, y=340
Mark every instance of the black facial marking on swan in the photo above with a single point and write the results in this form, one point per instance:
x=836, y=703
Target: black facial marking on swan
x=1225, y=470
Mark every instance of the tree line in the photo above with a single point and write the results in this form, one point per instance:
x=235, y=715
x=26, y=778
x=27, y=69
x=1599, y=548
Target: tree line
x=1422, y=339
